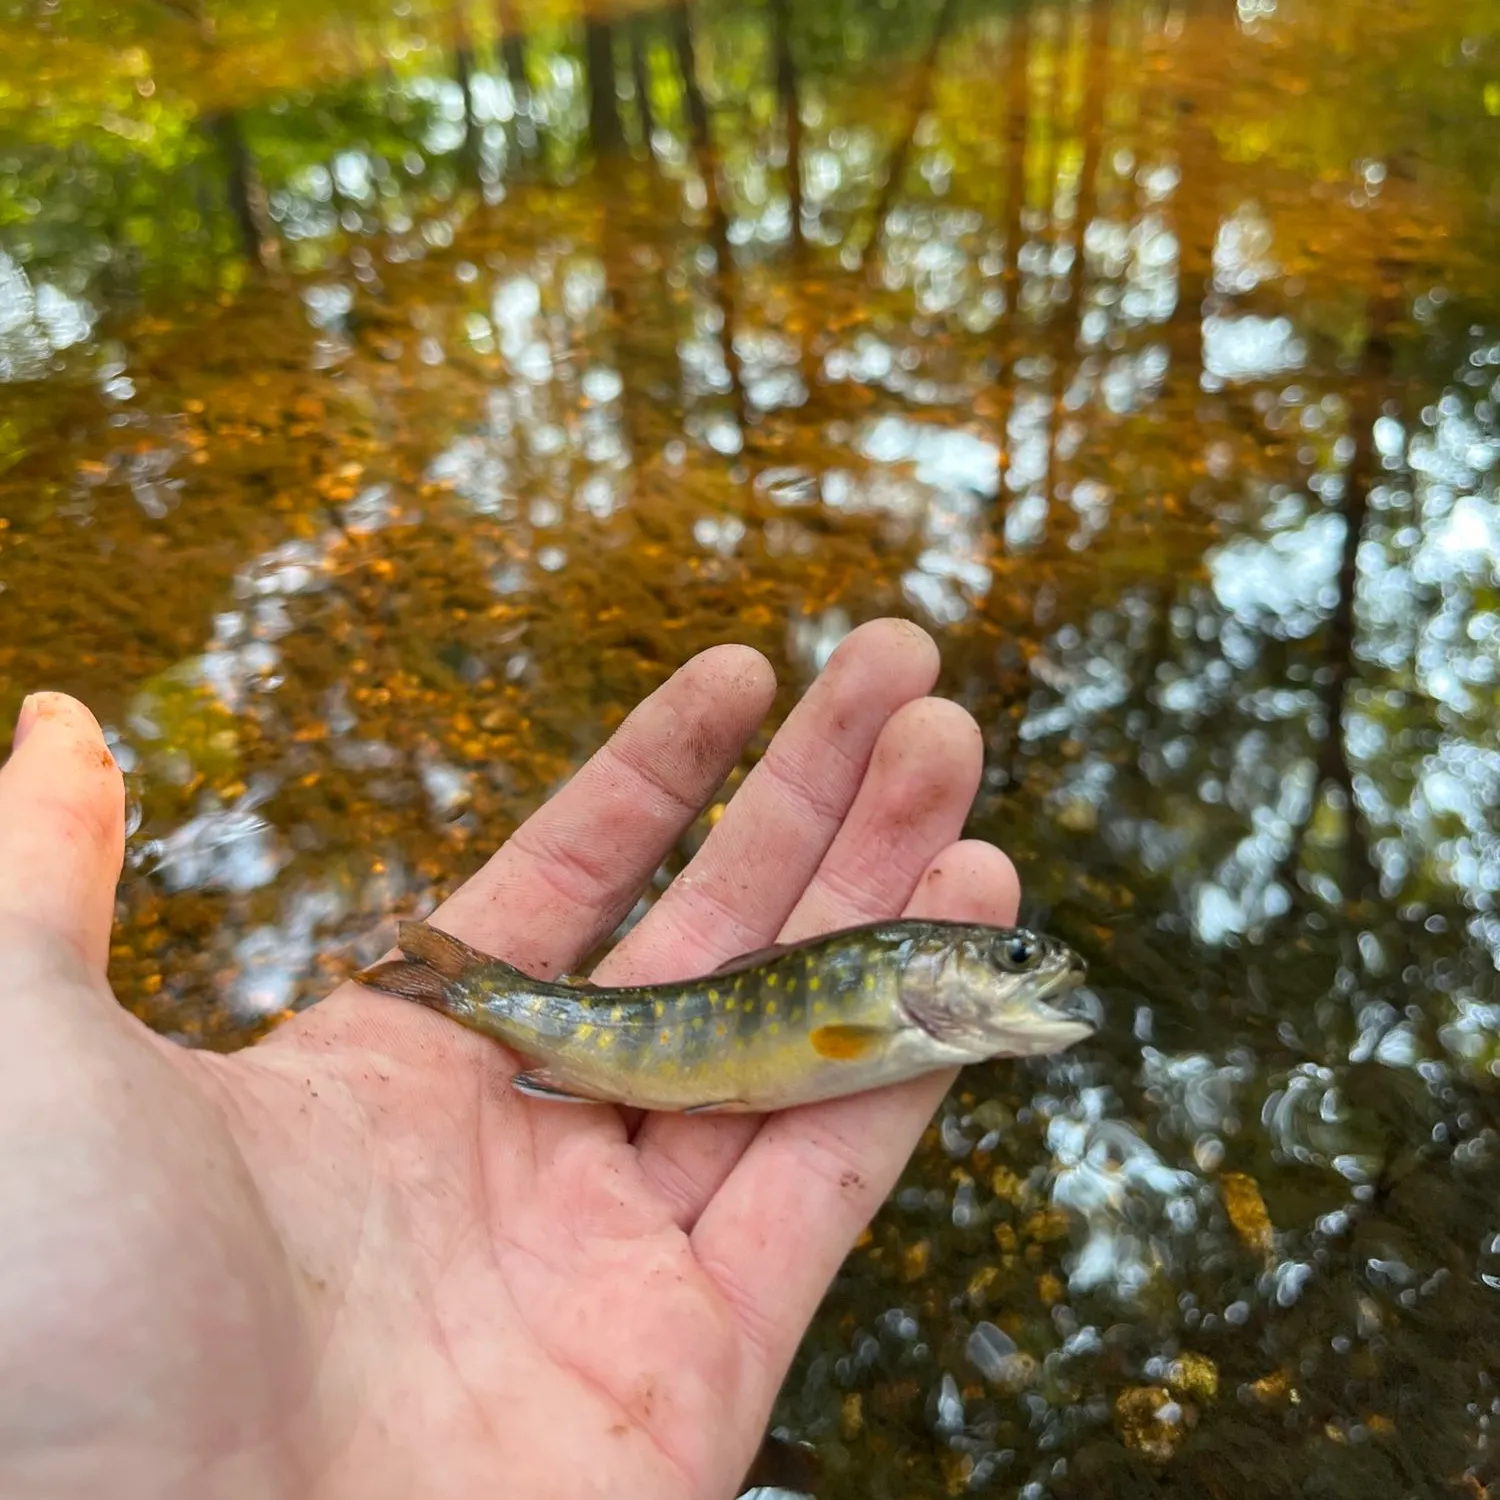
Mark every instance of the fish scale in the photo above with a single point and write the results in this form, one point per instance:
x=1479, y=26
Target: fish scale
x=831, y=1016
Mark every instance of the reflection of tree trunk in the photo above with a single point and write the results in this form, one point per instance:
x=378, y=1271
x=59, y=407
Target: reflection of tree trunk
x=1091, y=128
x=640, y=72
x=1069, y=329
x=1017, y=131
x=1334, y=762
x=1047, y=173
x=1195, y=258
x=463, y=67
x=791, y=115
x=623, y=287
x=1018, y=49
x=1052, y=124
x=513, y=55
x=718, y=222
x=896, y=172
x=605, y=130
x=1333, y=769
x=791, y=120
x=627, y=283
x=246, y=192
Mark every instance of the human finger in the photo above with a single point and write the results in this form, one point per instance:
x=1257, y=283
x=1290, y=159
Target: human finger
x=744, y=882
x=915, y=796
x=569, y=873
x=778, y=1229
x=62, y=829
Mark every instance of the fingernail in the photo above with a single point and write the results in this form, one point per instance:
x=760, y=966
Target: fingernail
x=24, y=720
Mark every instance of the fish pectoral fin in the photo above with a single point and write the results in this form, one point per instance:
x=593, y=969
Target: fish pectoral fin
x=846, y=1043
x=717, y=1107
x=538, y=1084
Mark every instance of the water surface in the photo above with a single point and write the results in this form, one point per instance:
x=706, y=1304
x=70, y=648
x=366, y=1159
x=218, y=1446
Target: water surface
x=392, y=394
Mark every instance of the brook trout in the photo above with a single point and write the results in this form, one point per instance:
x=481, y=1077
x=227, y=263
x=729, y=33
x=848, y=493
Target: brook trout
x=836, y=1015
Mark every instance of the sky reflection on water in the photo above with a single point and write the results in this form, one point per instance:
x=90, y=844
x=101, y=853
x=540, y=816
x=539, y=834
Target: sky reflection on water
x=388, y=407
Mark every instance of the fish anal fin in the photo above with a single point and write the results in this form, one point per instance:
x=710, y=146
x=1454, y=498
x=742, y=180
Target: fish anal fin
x=717, y=1107
x=845, y=1043
x=538, y=1083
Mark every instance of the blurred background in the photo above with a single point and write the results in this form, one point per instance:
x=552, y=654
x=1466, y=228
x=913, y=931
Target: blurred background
x=393, y=392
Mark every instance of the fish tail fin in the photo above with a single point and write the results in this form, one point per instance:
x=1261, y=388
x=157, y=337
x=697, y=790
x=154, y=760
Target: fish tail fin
x=407, y=980
x=435, y=949
x=431, y=964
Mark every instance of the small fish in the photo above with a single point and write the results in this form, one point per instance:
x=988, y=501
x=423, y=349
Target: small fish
x=836, y=1015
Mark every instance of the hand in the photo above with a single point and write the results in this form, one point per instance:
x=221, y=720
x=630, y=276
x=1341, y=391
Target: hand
x=351, y=1261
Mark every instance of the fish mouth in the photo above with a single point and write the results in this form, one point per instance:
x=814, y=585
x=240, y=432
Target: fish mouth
x=1064, y=1012
x=1071, y=1014
x=1076, y=1004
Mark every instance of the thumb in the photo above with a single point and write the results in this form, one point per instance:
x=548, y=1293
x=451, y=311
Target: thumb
x=62, y=828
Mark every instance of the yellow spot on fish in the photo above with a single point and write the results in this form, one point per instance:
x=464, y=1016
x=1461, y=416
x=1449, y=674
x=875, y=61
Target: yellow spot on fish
x=869, y=981
x=697, y=1023
x=729, y=1005
x=770, y=1007
x=617, y=1013
x=791, y=986
x=774, y=1027
x=661, y=1007
x=606, y=1041
x=772, y=980
x=720, y=1029
x=584, y=1032
x=815, y=983
x=713, y=997
x=664, y=1036
x=818, y=1007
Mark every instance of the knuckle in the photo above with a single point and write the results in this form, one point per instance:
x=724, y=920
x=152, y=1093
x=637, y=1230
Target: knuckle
x=823, y=795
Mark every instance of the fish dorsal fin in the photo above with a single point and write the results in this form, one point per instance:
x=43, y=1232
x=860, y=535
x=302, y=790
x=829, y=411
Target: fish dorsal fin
x=884, y=934
x=742, y=961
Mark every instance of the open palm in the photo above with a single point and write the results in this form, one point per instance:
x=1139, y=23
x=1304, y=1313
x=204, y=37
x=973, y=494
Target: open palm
x=351, y=1261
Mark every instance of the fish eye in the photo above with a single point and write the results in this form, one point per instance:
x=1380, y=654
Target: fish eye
x=1020, y=951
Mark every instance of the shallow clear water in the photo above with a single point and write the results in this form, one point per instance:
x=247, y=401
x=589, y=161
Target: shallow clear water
x=388, y=400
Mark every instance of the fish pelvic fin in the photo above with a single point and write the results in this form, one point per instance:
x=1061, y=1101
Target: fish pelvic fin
x=432, y=962
x=538, y=1083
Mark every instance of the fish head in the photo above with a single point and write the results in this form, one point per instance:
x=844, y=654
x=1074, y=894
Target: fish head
x=981, y=992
